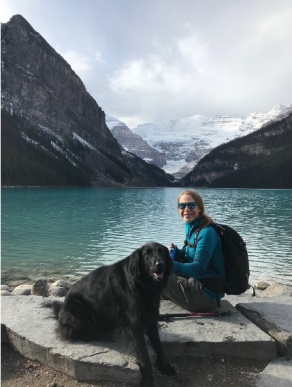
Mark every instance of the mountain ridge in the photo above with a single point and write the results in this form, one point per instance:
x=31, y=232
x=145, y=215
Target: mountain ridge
x=49, y=109
x=261, y=159
x=54, y=133
x=184, y=142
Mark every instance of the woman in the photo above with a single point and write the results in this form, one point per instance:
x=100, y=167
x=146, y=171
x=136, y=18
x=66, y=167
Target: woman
x=199, y=266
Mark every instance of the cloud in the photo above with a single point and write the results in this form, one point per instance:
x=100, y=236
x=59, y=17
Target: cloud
x=194, y=50
x=195, y=73
x=272, y=28
x=99, y=58
x=147, y=76
x=87, y=66
x=261, y=61
x=80, y=64
x=172, y=60
x=6, y=12
x=169, y=70
x=145, y=85
x=174, y=81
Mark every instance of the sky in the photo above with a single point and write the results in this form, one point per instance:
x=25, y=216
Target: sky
x=162, y=60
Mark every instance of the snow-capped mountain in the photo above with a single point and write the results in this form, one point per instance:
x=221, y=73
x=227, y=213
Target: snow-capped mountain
x=134, y=143
x=184, y=142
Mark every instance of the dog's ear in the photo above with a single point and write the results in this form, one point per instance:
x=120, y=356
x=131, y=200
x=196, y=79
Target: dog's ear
x=134, y=264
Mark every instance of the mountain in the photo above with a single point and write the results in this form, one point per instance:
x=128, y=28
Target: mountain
x=184, y=142
x=53, y=132
x=134, y=143
x=261, y=159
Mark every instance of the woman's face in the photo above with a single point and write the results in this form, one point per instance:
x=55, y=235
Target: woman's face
x=188, y=214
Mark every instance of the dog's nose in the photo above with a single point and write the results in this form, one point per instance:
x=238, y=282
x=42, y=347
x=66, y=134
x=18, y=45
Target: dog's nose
x=159, y=264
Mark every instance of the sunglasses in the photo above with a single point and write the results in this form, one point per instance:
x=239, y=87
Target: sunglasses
x=190, y=205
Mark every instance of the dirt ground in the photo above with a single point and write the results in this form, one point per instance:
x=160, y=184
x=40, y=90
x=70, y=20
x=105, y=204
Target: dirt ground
x=215, y=371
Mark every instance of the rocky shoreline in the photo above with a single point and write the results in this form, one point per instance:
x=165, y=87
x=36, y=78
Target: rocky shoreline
x=58, y=288
x=41, y=287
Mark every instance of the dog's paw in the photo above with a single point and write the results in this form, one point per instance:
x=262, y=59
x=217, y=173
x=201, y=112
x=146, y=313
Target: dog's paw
x=166, y=368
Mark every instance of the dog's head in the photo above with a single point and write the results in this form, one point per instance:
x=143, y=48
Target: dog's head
x=151, y=264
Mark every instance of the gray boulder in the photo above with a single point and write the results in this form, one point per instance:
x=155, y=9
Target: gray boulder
x=6, y=293
x=23, y=290
x=4, y=287
x=261, y=285
x=59, y=288
x=275, y=290
x=40, y=288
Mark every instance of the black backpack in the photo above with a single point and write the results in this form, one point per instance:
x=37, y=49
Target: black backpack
x=236, y=263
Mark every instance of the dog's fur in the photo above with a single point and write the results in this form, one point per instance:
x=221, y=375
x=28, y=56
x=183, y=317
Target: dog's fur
x=123, y=295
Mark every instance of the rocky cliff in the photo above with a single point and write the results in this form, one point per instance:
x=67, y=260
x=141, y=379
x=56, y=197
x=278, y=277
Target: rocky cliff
x=51, y=110
x=135, y=143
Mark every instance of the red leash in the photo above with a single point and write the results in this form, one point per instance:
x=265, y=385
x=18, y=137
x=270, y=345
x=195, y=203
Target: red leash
x=168, y=316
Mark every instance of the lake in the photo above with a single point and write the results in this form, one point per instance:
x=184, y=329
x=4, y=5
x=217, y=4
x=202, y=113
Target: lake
x=66, y=232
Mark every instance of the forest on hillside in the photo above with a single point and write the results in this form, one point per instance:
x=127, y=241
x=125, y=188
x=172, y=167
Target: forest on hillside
x=26, y=163
x=261, y=159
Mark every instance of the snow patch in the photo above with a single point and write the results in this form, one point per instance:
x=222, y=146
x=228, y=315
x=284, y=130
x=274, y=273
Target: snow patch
x=50, y=132
x=36, y=144
x=198, y=134
x=82, y=141
x=62, y=151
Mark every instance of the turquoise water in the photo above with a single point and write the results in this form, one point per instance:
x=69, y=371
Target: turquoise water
x=68, y=232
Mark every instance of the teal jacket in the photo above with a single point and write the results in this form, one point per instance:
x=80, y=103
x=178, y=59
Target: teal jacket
x=204, y=260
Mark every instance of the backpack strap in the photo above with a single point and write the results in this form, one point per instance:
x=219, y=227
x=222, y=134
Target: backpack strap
x=186, y=243
x=215, y=284
x=196, y=232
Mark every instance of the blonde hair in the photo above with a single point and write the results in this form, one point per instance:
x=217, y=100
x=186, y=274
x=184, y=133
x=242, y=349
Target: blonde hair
x=206, y=220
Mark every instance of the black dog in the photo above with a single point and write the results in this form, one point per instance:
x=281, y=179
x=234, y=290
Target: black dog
x=124, y=295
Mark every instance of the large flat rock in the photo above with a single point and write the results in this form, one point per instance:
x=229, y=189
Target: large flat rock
x=30, y=329
x=273, y=316
x=278, y=373
x=231, y=335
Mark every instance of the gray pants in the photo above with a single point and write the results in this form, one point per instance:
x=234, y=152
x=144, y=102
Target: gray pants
x=187, y=293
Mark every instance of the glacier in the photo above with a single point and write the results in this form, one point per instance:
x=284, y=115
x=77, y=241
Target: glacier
x=185, y=141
